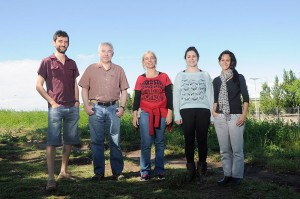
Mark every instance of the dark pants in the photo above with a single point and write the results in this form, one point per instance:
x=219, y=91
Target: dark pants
x=195, y=122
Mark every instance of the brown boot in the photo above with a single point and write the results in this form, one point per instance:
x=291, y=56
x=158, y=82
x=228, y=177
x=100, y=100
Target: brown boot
x=191, y=168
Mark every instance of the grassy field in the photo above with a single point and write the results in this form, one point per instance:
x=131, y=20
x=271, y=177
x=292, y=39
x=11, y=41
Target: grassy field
x=272, y=145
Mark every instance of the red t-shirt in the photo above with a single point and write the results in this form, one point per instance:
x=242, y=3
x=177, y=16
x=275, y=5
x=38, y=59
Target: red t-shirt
x=153, y=91
x=153, y=98
x=60, y=79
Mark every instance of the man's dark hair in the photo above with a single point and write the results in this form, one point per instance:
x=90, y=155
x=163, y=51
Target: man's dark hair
x=60, y=33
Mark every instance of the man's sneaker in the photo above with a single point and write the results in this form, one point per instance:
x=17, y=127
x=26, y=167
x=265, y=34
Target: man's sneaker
x=97, y=177
x=145, y=178
x=161, y=177
x=65, y=176
x=119, y=177
x=51, y=185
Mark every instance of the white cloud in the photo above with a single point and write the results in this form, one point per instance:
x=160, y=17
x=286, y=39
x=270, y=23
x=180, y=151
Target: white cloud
x=83, y=57
x=18, y=80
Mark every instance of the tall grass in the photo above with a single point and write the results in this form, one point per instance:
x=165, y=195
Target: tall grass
x=266, y=142
x=273, y=144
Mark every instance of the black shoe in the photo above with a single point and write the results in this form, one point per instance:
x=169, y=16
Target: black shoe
x=236, y=181
x=97, y=177
x=224, y=181
x=161, y=177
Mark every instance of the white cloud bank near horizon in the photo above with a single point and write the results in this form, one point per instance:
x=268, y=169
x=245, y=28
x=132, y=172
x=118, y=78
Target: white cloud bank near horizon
x=18, y=80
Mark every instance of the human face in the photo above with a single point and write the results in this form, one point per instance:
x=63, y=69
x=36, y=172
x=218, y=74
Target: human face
x=149, y=61
x=191, y=59
x=225, y=62
x=105, y=53
x=61, y=44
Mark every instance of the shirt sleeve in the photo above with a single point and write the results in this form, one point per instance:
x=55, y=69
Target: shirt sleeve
x=210, y=95
x=84, y=81
x=123, y=80
x=176, y=98
x=216, y=90
x=243, y=88
x=168, y=91
x=138, y=83
x=137, y=100
x=42, y=71
x=169, y=96
x=76, y=70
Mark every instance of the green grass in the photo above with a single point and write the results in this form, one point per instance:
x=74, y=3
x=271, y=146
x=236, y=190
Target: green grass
x=23, y=171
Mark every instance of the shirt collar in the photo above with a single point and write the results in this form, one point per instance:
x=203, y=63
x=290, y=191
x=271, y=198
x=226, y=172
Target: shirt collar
x=112, y=65
x=54, y=57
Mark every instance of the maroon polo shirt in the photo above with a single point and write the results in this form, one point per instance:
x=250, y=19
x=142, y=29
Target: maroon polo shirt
x=60, y=79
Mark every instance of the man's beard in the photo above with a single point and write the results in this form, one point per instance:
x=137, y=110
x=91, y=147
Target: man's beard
x=63, y=51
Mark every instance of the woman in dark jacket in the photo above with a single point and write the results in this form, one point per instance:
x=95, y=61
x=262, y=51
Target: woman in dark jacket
x=230, y=112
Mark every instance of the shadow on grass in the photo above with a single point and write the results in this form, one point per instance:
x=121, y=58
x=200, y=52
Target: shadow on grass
x=26, y=179
x=23, y=174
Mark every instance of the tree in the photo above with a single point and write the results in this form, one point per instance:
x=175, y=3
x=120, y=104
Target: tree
x=288, y=92
x=281, y=95
x=295, y=88
x=266, y=102
x=129, y=102
x=276, y=93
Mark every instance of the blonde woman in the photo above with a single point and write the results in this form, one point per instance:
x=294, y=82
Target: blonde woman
x=152, y=112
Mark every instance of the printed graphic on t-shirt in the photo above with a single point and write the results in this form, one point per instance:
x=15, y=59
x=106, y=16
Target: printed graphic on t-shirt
x=152, y=91
x=193, y=90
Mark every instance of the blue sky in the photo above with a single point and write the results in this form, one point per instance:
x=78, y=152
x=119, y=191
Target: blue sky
x=264, y=35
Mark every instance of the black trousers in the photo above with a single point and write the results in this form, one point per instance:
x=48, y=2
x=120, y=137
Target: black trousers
x=195, y=123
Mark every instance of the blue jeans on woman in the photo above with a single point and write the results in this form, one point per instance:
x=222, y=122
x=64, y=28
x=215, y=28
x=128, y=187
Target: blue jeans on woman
x=146, y=143
x=105, y=118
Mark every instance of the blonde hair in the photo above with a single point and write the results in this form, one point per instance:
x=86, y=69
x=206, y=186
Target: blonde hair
x=148, y=52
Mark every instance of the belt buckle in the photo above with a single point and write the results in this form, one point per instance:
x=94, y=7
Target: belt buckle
x=106, y=103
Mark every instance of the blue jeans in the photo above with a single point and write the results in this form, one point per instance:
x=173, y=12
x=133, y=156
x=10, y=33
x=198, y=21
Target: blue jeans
x=231, y=141
x=146, y=142
x=66, y=117
x=105, y=118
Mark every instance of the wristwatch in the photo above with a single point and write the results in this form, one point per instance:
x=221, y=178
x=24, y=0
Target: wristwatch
x=123, y=108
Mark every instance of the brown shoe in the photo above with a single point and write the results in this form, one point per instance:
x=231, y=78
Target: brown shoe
x=51, y=185
x=66, y=177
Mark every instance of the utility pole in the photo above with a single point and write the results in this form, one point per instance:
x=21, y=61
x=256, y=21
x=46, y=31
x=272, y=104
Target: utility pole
x=256, y=107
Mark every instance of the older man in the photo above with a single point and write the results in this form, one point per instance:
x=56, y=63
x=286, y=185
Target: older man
x=102, y=83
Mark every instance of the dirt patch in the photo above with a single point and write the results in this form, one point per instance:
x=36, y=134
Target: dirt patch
x=251, y=171
x=262, y=174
